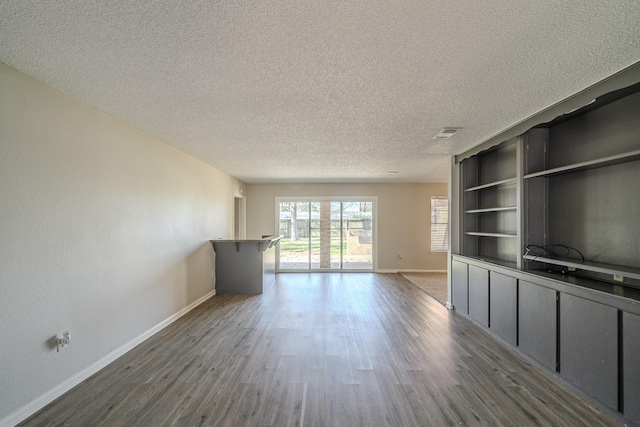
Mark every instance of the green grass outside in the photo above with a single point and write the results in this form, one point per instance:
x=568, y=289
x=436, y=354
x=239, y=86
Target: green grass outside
x=302, y=246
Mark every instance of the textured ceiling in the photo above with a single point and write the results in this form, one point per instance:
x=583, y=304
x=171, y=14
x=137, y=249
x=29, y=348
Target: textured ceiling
x=320, y=91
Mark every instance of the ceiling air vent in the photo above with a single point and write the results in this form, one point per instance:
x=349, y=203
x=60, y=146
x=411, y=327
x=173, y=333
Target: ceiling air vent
x=446, y=133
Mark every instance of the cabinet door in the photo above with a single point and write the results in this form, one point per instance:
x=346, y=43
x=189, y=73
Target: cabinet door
x=589, y=347
x=537, y=311
x=631, y=367
x=503, y=309
x=459, y=284
x=479, y=295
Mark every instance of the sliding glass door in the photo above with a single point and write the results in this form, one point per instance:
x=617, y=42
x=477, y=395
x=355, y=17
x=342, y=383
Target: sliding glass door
x=321, y=235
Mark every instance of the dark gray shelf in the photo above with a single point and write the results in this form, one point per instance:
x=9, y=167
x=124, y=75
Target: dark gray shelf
x=592, y=164
x=620, y=290
x=597, y=267
x=510, y=181
x=501, y=209
x=483, y=234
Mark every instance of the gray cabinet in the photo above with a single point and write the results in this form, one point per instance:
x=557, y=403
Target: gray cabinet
x=460, y=287
x=591, y=341
x=537, y=310
x=503, y=306
x=589, y=347
x=479, y=295
x=631, y=366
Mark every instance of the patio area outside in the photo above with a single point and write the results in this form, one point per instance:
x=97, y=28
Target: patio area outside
x=357, y=254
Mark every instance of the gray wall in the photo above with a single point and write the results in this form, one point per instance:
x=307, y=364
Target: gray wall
x=403, y=217
x=104, y=233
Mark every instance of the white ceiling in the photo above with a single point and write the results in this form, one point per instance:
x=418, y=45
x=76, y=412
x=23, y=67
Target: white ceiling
x=321, y=90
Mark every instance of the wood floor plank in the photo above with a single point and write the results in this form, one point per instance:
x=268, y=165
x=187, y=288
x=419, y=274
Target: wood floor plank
x=321, y=350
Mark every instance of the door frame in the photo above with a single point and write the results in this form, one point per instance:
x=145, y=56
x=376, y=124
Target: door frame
x=374, y=218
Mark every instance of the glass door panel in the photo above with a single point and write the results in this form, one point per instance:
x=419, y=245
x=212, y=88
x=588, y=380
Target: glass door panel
x=294, y=245
x=357, y=227
x=335, y=239
x=315, y=230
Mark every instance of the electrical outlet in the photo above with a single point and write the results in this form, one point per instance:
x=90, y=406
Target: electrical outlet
x=64, y=341
x=618, y=277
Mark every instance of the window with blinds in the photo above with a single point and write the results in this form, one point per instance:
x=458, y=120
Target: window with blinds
x=439, y=224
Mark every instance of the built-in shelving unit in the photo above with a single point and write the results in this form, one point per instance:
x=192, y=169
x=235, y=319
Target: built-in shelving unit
x=572, y=181
x=580, y=185
x=546, y=255
x=490, y=223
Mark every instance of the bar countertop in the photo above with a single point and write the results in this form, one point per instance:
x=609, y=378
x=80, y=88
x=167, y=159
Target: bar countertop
x=260, y=240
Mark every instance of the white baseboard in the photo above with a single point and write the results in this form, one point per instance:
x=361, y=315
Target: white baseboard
x=40, y=402
x=421, y=271
x=386, y=270
x=392, y=271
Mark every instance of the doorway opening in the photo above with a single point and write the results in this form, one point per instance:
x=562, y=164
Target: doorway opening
x=239, y=218
x=326, y=234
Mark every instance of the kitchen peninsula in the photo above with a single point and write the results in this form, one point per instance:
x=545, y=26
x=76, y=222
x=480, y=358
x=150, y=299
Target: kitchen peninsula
x=245, y=266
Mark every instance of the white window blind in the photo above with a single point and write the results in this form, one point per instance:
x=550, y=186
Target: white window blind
x=439, y=224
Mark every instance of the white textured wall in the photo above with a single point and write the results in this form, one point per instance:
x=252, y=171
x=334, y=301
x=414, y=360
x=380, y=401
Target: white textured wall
x=403, y=217
x=103, y=232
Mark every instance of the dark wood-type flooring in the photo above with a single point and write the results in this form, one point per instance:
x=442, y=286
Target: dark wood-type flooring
x=316, y=349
